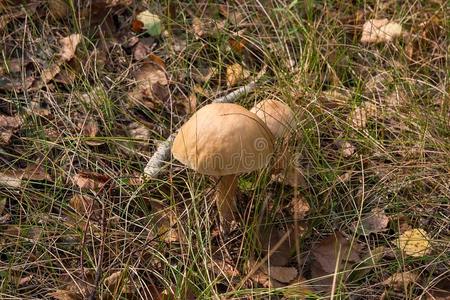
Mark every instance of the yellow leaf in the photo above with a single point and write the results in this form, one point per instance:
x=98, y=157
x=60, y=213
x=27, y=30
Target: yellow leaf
x=414, y=242
x=236, y=73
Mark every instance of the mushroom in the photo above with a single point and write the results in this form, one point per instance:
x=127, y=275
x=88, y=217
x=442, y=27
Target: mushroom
x=280, y=119
x=224, y=140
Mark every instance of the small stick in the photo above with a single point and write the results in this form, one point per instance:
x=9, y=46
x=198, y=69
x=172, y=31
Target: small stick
x=162, y=153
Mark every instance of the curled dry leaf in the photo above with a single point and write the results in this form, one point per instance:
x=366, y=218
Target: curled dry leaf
x=236, y=73
x=299, y=207
x=373, y=222
x=334, y=98
x=118, y=284
x=152, y=85
x=401, y=280
x=69, y=46
x=58, y=8
x=346, y=149
x=35, y=172
x=359, y=117
x=85, y=206
x=269, y=236
x=139, y=132
x=332, y=251
x=280, y=274
x=90, y=180
x=264, y=280
x=197, y=26
x=380, y=30
x=414, y=242
x=65, y=295
x=8, y=125
x=221, y=268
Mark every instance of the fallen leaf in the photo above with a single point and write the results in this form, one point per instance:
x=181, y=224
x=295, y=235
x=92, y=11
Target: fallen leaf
x=25, y=280
x=221, y=268
x=10, y=121
x=269, y=237
x=197, y=26
x=150, y=22
x=335, y=249
x=334, y=98
x=236, y=73
x=299, y=207
x=35, y=172
x=346, y=149
x=414, y=242
x=359, y=117
x=367, y=263
x=139, y=132
x=69, y=46
x=90, y=180
x=89, y=128
x=119, y=285
x=141, y=51
x=265, y=280
x=65, y=295
x=401, y=280
x=373, y=222
x=152, y=85
x=58, y=8
x=85, y=206
x=10, y=179
x=380, y=30
x=280, y=274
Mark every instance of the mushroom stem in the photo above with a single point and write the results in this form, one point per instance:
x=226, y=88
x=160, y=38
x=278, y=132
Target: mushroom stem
x=226, y=197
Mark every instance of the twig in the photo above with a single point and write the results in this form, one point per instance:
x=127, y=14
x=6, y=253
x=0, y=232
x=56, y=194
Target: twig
x=162, y=153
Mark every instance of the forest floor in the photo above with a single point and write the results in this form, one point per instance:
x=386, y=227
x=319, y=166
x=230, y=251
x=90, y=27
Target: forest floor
x=88, y=89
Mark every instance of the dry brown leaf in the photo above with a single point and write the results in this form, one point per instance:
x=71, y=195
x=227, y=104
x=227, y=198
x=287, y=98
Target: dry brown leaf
x=139, y=132
x=58, y=8
x=35, y=172
x=359, y=117
x=280, y=274
x=269, y=237
x=334, y=98
x=69, y=46
x=236, y=73
x=221, y=268
x=380, y=30
x=299, y=207
x=401, y=279
x=11, y=179
x=335, y=249
x=414, y=242
x=197, y=26
x=85, y=206
x=65, y=295
x=119, y=284
x=264, y=280
x=90, y=180
x=10, y=121
x=141, y=51
x=152, y=85
x=346, y=149
x=375, y=221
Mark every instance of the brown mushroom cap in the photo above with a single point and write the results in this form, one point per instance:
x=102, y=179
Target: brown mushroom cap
x=278, y=116
x=223, y=139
